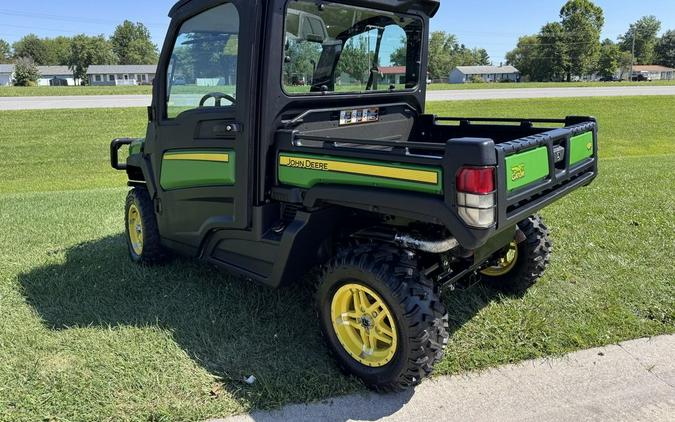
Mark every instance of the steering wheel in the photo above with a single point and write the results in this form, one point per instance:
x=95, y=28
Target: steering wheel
x=219, y=97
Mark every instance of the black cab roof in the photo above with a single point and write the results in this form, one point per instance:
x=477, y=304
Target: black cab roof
x=428, y=7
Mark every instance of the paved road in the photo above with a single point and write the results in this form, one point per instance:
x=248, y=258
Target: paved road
x=69, y=102
x=116, y=101
x=633, y=381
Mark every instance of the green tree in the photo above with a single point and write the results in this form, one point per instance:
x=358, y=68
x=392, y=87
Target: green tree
x=58, y=50
x=86, y=51
x=356, y=60
x=34, y=47
x=610, y=59
x=441, y=50
x=400, y=55
x=526, y=56
x=5, y=51
x=481, y=57
x=582, y=22
x=665, y=49
x=301, y=59
x=132, y=44
x=645, y=31
x=26, y=72
x=625, y=63
x=553, y=58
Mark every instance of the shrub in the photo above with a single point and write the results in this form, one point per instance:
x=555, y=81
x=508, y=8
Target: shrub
x=26, y=72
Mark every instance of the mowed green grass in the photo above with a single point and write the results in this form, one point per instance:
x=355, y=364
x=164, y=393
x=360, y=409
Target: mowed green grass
x=59, y=91
x=49, y=91
x=86, y=335
x=443, y=87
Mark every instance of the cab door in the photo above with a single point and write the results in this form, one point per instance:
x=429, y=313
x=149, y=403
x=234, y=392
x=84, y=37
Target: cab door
x=201, y=148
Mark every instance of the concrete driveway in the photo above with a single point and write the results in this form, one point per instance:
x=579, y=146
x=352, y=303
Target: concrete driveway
x=633, y=381
x=123, y=101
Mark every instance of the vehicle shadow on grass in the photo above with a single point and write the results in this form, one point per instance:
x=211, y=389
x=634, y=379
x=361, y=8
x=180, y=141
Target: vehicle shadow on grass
x=230, y=327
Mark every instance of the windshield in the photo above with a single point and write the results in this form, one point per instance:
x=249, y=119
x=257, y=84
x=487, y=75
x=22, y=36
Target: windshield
x=332, y=47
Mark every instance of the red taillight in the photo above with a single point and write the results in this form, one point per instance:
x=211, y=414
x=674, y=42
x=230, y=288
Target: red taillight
x=479, y=181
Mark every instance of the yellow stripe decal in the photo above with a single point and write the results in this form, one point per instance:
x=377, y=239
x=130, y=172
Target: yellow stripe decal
x=221, y=157
x=421, y=176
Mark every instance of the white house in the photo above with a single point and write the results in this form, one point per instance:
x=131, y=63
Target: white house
x=49, y=75
x=121, y=74
x=55, y=76
x=465, y=74
x=654, y=72
x=6, y=74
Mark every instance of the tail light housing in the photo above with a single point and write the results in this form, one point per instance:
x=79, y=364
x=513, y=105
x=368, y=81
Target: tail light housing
x=476, y=199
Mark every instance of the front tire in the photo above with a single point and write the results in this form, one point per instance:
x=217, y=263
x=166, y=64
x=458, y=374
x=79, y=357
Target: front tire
x=142, y=233
x=382, y=319
x=521, y=265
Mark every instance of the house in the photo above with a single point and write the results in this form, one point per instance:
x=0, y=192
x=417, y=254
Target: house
x=6, y=74
x=49, y=75
x=393, y=75
x=654, y=72
x=55, y=76
x=464, y=74
x=121, y=74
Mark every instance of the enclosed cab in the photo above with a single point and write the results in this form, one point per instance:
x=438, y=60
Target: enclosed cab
x=277, y=143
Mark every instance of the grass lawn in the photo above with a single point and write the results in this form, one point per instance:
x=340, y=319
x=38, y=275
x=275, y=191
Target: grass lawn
x=48, y=91
x=442, y=87
x=86, y=335
x=58, y=91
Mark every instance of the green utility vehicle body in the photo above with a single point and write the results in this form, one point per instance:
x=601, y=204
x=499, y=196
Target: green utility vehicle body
x=282, y=130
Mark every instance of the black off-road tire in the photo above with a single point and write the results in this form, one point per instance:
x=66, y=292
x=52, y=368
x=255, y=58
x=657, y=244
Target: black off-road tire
x=534, y=256
x=414, y=301
x=153, y=252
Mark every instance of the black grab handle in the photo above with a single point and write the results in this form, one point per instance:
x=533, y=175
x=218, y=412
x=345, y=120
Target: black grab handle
x=114, y=152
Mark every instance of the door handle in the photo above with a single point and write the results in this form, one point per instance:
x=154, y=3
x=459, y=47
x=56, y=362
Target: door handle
x=226, y=128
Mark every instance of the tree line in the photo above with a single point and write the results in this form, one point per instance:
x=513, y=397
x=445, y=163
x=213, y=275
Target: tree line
x=446, y=53
x=572, y=47
x=131, y=43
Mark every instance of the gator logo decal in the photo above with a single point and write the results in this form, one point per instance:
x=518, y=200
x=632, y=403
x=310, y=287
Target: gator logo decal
x=589, y=146
x=517, y=172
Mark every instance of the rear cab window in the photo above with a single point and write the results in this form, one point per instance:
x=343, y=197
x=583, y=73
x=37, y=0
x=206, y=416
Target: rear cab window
x=337, y=48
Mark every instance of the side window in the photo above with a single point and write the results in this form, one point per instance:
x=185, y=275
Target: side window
x=203, y=67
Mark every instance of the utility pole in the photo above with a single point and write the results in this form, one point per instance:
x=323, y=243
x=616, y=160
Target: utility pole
x=632, y=61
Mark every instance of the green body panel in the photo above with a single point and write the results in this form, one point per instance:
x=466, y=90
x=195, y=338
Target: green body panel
x=182, y=174
x=136, y=147
x=581, y=148
x=526, y=168
x=308, y=178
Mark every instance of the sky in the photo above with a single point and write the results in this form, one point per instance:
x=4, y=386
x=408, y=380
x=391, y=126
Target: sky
x=494, y=25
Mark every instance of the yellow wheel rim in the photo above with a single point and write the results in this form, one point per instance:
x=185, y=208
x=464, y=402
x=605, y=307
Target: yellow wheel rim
x=135, y=229
x=505, y=264
x=364, y=325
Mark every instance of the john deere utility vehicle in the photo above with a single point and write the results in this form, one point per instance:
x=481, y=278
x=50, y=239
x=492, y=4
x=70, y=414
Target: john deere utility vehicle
x=290, y=135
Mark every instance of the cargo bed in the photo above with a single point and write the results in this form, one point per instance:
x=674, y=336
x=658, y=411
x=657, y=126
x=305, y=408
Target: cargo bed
x=536, y=162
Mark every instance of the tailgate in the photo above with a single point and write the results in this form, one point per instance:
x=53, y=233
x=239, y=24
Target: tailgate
x=538, y=170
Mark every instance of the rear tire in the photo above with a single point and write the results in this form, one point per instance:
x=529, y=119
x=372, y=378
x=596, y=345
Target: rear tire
x=142, y=232
x=415, y=316
x=532, y=257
